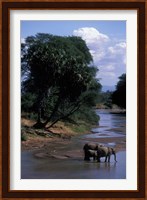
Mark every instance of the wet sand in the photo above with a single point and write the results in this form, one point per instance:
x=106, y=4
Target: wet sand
x=42, y=143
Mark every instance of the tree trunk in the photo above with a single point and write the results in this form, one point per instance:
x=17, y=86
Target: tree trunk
x=39, y=116
x=53, y=112
x=65, y=116
x=39, y=124
x=54, y=123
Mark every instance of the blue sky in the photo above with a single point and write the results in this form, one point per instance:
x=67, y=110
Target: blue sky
x=105, y=39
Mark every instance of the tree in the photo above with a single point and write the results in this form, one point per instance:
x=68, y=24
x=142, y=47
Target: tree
x=119, y=95
x=59, y=72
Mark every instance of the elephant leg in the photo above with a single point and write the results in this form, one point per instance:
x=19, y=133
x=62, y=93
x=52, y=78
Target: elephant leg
x=109, y=158
x=98, y=159
x=86, y=156
x=94, y=157
x=106, y=159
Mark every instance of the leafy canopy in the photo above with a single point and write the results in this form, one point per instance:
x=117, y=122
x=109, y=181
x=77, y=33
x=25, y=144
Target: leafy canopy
x=58, y=71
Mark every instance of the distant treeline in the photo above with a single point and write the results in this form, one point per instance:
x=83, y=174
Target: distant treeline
x=108, y=99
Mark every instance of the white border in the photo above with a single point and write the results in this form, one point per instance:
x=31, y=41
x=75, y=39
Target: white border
x=130, y=183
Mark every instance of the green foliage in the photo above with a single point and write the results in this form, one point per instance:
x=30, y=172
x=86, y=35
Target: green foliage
x=86, y=114
x=119, y=95
x=27, y=101
x=85, y=118
x=23, y=137
x=107, y=99
x=104, y=100
x=81, y=128
x=59, y=76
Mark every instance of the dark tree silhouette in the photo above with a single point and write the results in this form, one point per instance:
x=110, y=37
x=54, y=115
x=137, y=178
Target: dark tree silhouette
x=119, y=95
x=59, y=74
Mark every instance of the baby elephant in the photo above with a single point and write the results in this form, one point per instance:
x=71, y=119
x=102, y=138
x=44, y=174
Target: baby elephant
x=90, y=146
x=91, y=153
x=105, y=152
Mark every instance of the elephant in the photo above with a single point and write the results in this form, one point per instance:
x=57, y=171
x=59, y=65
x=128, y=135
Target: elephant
x=91, y=153
x=105, y=152
x=90, y=146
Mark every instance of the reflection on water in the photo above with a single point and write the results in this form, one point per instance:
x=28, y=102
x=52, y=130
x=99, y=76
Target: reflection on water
x=76, y=167
x=72, y=168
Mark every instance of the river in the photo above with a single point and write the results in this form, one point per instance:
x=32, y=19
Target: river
x=70, y=165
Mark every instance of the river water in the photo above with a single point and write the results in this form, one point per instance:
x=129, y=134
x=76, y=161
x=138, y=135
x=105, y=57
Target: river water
x=72, y=165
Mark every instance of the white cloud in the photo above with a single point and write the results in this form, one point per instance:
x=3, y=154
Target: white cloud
x=23, y=40
x=97, y=55
x=119, y=48
x=121, y=45
x=118, y=52
x=92, y=36
x=109, y=55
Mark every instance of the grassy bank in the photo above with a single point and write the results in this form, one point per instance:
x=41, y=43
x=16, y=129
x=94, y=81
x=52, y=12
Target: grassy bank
x=60, y=130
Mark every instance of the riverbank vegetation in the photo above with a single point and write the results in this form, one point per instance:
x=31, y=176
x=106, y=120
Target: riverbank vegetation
x=59, y=82
x=115, y=100
x=119, y=95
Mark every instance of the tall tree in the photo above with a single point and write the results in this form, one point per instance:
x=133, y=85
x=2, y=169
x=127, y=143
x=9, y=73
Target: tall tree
x=59, y=73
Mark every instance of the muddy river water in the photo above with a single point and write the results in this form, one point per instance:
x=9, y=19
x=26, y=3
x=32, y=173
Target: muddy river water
x=66, y=160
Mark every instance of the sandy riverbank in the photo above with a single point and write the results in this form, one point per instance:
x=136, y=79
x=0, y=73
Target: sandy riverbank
x=62, y=142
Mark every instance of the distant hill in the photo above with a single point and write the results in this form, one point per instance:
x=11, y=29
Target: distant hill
x=106, y=88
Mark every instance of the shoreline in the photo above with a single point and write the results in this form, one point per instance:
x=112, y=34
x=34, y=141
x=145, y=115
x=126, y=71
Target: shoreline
x=59, y=148
x=61, y=140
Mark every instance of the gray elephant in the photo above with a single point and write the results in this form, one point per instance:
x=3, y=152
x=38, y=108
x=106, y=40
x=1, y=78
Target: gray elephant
x=90, y=146
x=105, y=152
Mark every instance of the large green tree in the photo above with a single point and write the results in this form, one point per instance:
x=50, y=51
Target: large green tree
x=119, y=95
x=58, y=74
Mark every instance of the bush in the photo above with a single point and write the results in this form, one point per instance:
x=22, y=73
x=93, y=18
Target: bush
x=23, y=137
x=87, y=115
